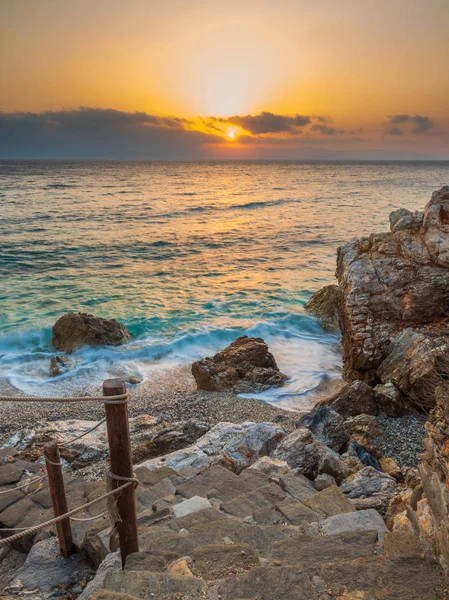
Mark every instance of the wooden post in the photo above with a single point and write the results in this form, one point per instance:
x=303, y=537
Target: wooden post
x=121, y=464
x=58, y=497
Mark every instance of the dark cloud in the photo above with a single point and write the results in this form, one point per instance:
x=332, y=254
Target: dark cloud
x=267, y=123
x=414, y=124
x=326, y=130
x=99, y=133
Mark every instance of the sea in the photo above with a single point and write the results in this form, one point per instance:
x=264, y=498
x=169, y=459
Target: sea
x=189, y=256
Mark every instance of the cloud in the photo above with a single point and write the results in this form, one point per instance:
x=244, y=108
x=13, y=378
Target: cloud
x=96, y=133
x=325, y=130
x=268, y=123
x=100, y=133
x=410, y=124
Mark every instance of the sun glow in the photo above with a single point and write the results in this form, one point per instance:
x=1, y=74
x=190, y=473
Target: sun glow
x=231, y=134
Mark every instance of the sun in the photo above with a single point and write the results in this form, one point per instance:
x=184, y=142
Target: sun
x=231, y=134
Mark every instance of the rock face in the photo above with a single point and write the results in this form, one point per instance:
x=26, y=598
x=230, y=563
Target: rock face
x=354, y=399
x=393, y=281
x=75, y=330
x=324, y=304
x=244, y=366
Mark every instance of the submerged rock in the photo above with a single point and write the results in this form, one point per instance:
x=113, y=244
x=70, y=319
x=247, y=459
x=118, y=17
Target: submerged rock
x=324, y=304
x=75, y=330
x=244, y=366
x=60, y=364
x=393, y=281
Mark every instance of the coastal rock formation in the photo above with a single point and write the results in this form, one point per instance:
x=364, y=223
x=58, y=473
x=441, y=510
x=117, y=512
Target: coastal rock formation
x=75, y=330
x=393, y=281
x=324, y=304
x=244, y=366
x=354, y=399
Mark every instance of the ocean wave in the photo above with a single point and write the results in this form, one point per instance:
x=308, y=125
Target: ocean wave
x=260, y=204
x=59, y=186
x=303, y=350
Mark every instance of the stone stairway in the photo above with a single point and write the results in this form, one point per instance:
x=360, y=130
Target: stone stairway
x=223, y=536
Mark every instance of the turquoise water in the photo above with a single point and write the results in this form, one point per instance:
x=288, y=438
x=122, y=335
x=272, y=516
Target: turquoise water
x=187, y=255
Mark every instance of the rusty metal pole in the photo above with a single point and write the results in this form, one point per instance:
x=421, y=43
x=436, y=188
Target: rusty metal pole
x=58, y=497
x=121, y=465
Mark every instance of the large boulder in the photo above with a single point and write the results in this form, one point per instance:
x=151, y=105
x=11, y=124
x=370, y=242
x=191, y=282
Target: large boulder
x=259, y=440
x=308, y=456
x=393, y=281
x=75, y=330
x=415, y=361
x=324, y=304
x=354, y=399
x=389, y=399
x=327, y=426
x=244, y=366
x=370, y=483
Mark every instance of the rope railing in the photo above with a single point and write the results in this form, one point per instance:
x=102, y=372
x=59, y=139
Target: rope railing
x=118, y=399
x=74, y=511
x=121, y=507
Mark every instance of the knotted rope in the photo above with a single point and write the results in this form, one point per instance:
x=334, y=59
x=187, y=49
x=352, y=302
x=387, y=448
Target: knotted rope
x=36, y=528
x=119, y=399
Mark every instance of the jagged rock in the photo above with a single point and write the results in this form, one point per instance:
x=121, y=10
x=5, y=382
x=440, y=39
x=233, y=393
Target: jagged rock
x=323, y=482
x=355, y=398
x=368, y=483
x=307, y=455
x=258, y=440
x=393, y=281
x=151, y=437
x=389, y=399
x=75, y=330
x=246, y=365
x=390, y=466
x=272, y=467
x=364, y=429
x=324, y=304
x=327, y=426
x=414, y=360
x=59, y=365
x=365, y=457
x=205, y=452
x=46, y=569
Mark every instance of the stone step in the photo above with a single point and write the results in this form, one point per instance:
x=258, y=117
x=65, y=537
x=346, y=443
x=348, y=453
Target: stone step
x=329, y=502
x=310, y=551
x=154, y=586
x=269, y=583
x=382, y=578
x=108, y=595
x=152, y=560
x=221, y=531
x=221, y=561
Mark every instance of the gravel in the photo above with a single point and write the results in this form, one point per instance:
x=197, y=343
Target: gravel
x=402, y=437
x=169, y=394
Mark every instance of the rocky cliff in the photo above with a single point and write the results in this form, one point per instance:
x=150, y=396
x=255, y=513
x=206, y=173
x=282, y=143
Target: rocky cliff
x=394, y=299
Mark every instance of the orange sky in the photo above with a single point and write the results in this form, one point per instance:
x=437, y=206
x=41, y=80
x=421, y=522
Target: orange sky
x=350, y=63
